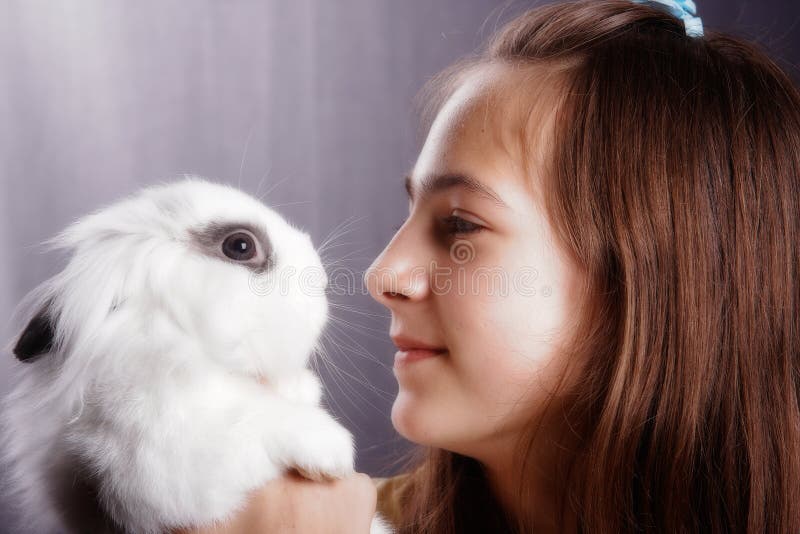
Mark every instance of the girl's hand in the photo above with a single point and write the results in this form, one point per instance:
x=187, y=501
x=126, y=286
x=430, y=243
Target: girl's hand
x=292, y=504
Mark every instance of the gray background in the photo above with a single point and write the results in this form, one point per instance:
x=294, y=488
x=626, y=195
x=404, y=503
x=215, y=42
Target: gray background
x=308, y=100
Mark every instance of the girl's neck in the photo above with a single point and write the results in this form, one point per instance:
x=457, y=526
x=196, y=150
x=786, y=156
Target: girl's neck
x=539, y=481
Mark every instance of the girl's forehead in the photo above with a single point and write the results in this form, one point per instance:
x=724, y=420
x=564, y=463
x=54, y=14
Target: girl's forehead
x=497, y=122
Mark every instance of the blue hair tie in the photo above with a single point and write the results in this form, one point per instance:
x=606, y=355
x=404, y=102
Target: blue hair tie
x=684, y=10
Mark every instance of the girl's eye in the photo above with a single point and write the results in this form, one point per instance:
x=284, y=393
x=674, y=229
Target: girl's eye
x=454, y=225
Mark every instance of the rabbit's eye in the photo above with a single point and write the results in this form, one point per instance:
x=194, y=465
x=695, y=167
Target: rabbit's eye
x=239, y=246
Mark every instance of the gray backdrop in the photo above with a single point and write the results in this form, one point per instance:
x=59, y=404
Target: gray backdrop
x=307, y=101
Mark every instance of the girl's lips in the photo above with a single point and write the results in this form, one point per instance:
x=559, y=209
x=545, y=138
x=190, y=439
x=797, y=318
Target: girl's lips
x=407, y=356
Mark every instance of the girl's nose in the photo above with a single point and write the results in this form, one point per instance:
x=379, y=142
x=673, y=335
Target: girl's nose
x=399, y=273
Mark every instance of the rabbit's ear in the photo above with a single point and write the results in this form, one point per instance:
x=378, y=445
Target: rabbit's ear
x=37, y=338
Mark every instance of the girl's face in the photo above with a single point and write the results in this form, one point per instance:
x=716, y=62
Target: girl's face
x=477, y=290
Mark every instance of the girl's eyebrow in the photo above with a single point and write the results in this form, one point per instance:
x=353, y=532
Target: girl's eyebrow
x=439, y=182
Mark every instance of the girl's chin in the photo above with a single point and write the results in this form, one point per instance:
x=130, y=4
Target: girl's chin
x=409, y=419
x=400, y=413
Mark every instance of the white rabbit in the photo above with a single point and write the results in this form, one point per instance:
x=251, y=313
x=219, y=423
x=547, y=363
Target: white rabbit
x=163, y=372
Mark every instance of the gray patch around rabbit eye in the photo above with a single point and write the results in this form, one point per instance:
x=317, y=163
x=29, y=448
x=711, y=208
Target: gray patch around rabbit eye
x=210, y=236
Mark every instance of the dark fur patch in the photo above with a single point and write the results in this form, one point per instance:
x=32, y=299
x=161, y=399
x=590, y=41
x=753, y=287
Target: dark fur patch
x=37, y=338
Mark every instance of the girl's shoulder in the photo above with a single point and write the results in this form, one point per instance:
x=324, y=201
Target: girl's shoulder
x=391, y=491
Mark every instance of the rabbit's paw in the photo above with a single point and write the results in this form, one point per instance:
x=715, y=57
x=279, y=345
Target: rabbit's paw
x=325, y=452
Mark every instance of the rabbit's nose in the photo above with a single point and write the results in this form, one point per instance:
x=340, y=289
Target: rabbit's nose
x=323, y=279
x=313, y=280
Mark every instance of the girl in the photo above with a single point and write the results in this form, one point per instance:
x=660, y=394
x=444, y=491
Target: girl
x=595, y=294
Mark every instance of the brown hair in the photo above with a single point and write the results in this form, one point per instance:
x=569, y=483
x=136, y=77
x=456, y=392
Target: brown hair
x=673, y=182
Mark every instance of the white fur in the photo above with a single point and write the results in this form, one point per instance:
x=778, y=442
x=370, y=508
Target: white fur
x=174, y=387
